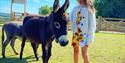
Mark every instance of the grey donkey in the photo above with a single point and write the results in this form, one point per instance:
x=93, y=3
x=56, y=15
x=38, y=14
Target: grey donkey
x=12, y=30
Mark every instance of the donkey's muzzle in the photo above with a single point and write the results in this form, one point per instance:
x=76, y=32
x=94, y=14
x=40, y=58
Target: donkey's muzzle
x=63, y=41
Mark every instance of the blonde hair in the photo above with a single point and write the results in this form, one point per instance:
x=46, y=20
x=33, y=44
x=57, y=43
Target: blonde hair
x=89, y=4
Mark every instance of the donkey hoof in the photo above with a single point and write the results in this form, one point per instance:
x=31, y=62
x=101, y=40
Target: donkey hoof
x=20, y=58
x=3, y=57
x=37, y=59
x=16, y=53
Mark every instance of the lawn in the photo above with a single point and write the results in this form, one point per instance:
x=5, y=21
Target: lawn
x=107, y=48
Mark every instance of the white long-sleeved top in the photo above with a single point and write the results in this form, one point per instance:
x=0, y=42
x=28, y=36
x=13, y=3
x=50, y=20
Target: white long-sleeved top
x=87, y=24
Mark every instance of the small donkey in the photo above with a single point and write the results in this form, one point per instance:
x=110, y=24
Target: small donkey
x=12, y=30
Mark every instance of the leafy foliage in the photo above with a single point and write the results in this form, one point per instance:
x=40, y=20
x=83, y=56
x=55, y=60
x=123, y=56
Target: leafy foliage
x=110, y=8
x=45, y=10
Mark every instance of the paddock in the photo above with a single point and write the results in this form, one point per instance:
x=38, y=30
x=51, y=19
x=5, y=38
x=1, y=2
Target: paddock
x=107, y=48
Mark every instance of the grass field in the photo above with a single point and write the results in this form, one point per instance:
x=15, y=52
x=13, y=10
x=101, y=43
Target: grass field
x=107, y=48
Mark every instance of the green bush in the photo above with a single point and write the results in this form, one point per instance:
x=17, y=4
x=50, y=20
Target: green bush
x=110, y=8
x=45, y=10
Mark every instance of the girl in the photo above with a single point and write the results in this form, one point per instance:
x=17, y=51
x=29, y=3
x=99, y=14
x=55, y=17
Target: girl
x=83, y=22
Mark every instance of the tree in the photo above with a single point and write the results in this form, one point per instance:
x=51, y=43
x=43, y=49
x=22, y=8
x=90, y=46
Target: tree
x=45, y=10
x=110, y=8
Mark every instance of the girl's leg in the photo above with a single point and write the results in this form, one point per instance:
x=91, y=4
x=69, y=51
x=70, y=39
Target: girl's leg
x=76, y=53
x=85, y=54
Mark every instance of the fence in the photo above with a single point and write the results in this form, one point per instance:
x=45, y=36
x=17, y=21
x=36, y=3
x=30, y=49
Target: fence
x=104, y=25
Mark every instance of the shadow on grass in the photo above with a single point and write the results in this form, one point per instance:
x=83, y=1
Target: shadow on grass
x=17, y=60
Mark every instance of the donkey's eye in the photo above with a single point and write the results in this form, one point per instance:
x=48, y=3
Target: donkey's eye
x=57, y=25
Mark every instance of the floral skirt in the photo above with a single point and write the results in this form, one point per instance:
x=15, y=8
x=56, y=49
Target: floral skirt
x=79, y=38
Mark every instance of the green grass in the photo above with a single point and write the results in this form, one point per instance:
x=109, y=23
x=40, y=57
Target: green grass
x=107, y=48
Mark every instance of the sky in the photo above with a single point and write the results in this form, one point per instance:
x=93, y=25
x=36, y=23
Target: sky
x=32, y=5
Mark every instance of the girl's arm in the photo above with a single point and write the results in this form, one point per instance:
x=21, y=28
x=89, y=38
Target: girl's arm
x=71, y=19
x=92, y=27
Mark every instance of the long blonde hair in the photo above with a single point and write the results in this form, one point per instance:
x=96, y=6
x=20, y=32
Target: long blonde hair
x=89, y=4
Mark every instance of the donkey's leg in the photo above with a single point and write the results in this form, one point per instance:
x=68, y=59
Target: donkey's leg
x=22, y=47
x=49, y=51
x=37, y=46
x=44, y=55
x=12, y=45
x=4, y=46
x=34, y=46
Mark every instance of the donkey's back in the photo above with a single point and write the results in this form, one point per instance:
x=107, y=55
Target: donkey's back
x=13, y=28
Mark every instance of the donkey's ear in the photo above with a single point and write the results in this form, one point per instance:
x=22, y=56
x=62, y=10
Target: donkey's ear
x=56, y=5
x=65, y=6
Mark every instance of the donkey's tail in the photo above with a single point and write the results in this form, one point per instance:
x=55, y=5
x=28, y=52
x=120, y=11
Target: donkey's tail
x=2, y=35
